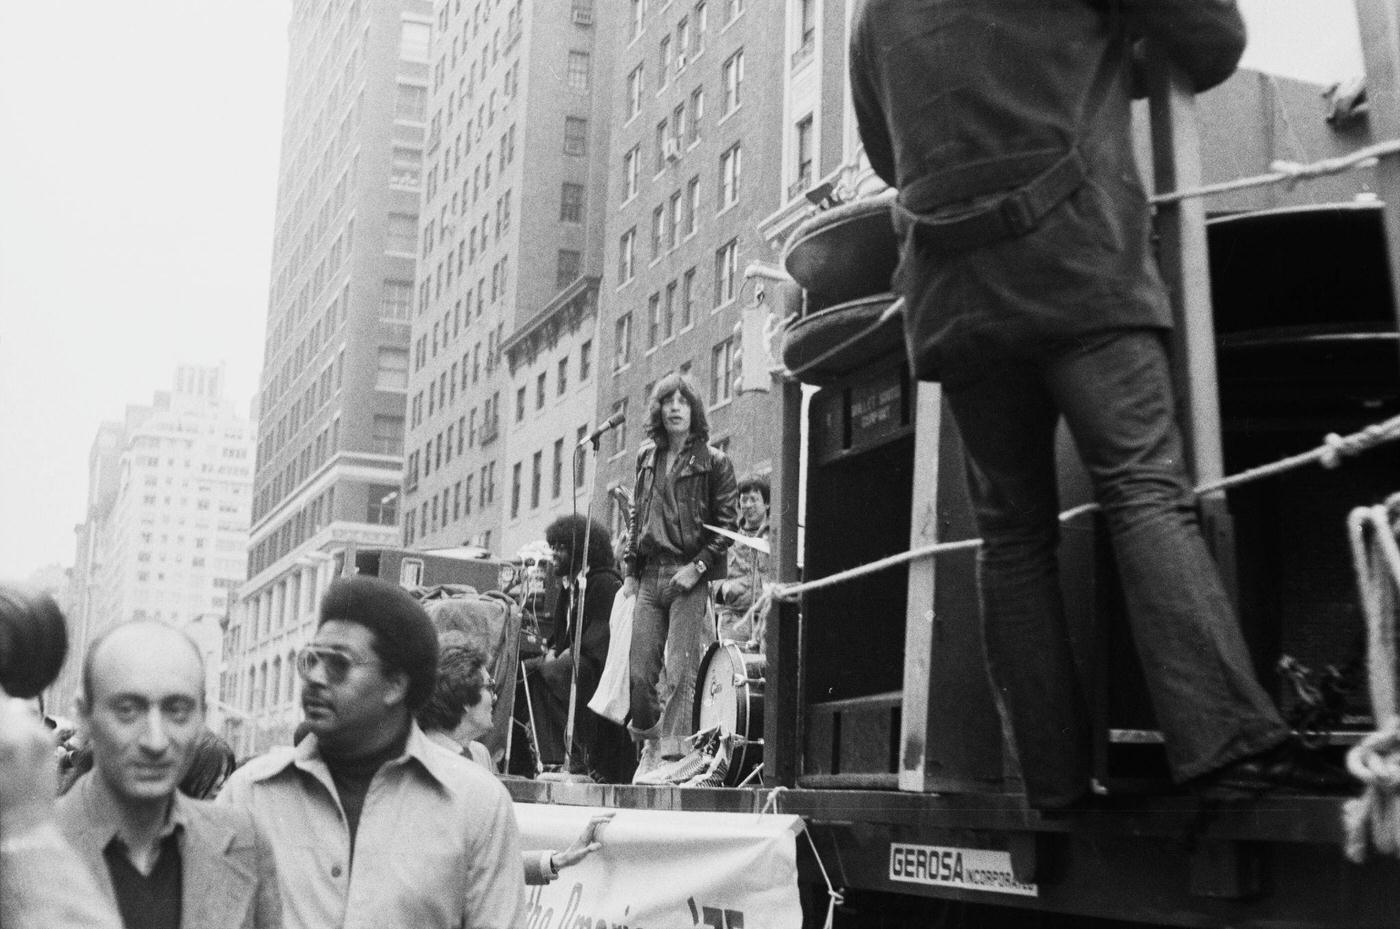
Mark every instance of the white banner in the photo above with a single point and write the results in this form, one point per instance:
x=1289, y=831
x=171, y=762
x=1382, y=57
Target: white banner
x=665, y=870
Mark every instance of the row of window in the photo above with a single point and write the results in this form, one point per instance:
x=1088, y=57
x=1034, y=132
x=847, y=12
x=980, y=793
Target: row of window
x=452, y=504
x=556, y=474
x=297, y=528
x=284, y=480
x=561, y=379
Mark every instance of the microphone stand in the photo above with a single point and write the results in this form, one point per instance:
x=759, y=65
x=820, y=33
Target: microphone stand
x=577, y=604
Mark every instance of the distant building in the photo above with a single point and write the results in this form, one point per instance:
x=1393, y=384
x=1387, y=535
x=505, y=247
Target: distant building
x=169, y=499
x=335, y=365
x=697, y=148
x=503, y=378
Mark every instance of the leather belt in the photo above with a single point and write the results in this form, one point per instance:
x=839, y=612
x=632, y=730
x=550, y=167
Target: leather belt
x=1008, y=217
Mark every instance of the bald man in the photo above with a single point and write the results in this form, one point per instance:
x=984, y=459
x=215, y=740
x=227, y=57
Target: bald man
x=166, y=861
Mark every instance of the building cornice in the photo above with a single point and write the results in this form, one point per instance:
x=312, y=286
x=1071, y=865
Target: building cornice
x=566, y=312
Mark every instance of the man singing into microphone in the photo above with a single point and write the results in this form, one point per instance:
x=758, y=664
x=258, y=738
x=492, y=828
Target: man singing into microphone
x=682, y=484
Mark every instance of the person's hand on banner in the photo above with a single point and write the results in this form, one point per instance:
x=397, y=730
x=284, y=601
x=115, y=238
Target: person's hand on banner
x=586, y=844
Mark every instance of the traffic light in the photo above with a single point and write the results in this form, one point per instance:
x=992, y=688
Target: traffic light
x=752, y=363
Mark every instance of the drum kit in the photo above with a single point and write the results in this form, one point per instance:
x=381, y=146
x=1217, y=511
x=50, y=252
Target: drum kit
x=729, y=688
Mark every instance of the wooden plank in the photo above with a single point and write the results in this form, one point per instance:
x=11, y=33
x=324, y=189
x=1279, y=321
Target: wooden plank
x=1380, y=46
x=782, y=641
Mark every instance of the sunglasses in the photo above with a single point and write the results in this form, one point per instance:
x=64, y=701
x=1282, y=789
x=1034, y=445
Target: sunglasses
x=334, y=664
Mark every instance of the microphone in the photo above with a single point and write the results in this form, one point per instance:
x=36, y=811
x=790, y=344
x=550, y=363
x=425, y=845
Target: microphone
x=613, y=421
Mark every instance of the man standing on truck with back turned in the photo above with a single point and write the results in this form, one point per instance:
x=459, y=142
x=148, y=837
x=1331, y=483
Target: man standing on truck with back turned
x=1030, y=291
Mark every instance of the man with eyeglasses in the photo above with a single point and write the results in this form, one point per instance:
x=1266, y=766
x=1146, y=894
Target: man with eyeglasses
x=161, y=859
x=373, y=824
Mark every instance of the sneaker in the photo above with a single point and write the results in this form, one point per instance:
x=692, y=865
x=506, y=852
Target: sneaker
x=648, y=762
x=674, y=771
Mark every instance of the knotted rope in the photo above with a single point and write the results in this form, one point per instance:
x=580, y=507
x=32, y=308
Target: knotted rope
x=1333, y=450
x=1373, y=819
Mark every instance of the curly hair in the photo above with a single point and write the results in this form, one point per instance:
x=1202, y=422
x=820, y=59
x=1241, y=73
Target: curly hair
x=461, y=678
x=567, y=532
x=671, y=383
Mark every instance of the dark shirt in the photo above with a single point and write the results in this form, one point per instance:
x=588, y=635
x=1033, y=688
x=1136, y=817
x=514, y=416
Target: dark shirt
x=352, y=777
x=662, y=533
x=147, y=901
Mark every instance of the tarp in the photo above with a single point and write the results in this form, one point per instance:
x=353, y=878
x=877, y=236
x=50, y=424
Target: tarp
x=667, y=870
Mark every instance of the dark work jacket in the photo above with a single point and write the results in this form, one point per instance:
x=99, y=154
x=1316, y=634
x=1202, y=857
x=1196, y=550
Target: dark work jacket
x=706, y=492
x=603, y=585
x=960, y=102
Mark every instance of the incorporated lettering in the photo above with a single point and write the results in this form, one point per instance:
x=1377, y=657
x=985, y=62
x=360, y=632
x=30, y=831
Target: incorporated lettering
x=967, y=868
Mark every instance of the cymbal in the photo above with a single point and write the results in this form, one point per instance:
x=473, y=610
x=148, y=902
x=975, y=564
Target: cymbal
x=751, y=541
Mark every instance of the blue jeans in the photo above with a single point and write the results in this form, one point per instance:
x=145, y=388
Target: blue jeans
x=1115, y=395
x=668, y=627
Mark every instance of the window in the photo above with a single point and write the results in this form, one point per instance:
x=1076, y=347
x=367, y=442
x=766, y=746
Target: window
x=623, y=333
x=515, y=490
x=520, y=404
x=387, y=435
x=687, y=299
x=382, y=508
x=726, y=271
x=658, y=223
x=683, y=40
x=585, y=360
x=397, y=300
x=402, y=235
x=802, y=179
x=556, y=474
x=406, y=167
x=673, y=213
x=638, y=11
x=664, y=60
x=411, y=103
x=413, y=41
x=631, y=170
x=562, y=378
x=540, y=383
x=393, y=369
x=730, y=173
x=577, y=75
x=692, y=206
x=580, y=465
x=700, y=17
x=663, y=132
x=571, y=203
x=575, y=136
x=653, y=320
x=634, y=91
x=731, y=82
x=570, y=264
x=619, y=444
x=806, y=24
x=732, y=9
x=627, y=256
x=536, y=473
x=722, y=371
x=668, y=314
x=697, y=113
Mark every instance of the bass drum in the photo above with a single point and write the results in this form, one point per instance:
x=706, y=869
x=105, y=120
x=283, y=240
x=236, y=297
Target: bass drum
x=729, y=694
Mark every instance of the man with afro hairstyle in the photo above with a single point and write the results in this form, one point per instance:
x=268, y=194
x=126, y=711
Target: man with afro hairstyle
x=372, y=823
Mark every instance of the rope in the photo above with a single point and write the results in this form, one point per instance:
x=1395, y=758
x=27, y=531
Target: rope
x=834, y=897
x=1329, y=454
x=1373, y=819
x=1288, y=173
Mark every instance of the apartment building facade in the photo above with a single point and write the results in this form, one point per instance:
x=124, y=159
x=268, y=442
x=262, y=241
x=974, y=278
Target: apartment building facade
x=169, y=503
x=502, y=382
x=697, y=158
x=335, y=368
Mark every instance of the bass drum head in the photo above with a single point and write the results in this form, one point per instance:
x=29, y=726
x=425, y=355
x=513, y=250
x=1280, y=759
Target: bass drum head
x=729, y=694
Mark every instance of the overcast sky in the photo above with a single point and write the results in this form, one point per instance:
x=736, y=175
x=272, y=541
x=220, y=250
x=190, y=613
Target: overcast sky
x=137, y=189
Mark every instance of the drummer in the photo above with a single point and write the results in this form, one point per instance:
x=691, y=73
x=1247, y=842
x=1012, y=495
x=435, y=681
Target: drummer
x=735, y=596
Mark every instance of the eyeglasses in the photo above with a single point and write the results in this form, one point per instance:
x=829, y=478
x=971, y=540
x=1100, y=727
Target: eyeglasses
x=335, y=664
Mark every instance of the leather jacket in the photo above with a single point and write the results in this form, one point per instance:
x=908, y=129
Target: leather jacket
x=706, y=492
